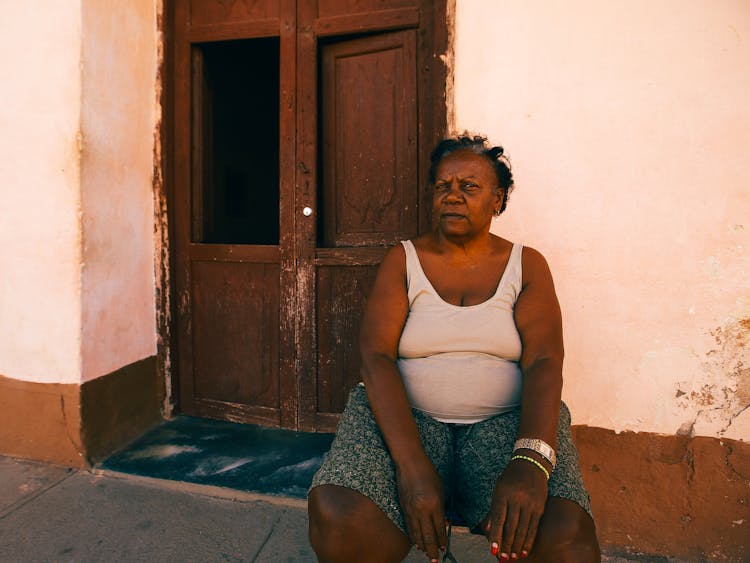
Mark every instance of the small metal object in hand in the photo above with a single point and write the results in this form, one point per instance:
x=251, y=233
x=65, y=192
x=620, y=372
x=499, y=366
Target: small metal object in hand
x=448, y=556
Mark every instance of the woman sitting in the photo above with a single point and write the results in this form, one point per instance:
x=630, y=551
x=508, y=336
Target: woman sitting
x=462, y=368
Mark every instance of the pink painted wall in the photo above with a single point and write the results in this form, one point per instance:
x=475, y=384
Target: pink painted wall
x=78, y=115
x=628, y=125
x=118, y=119
x=40, y=94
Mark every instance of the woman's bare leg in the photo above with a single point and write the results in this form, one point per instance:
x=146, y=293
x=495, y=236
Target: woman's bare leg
x=346, y=526
x=566, y=534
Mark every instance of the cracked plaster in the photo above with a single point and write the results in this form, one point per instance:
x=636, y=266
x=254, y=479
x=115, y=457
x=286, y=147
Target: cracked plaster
x=717, y=399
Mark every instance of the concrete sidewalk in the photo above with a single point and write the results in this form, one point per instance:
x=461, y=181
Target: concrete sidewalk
x=49, y=513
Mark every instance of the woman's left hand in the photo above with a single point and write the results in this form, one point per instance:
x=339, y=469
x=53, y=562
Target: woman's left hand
x=518, y=502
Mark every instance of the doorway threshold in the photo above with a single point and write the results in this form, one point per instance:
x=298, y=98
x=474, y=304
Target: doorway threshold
x=245, y=457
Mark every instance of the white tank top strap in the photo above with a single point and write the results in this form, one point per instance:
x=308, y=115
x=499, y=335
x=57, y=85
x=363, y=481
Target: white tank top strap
x=514, y=270
x=416, y=281
x=411, y=256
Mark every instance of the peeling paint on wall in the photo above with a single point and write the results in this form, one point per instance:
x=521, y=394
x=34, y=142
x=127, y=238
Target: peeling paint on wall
x=161, y=229
x=720, y=399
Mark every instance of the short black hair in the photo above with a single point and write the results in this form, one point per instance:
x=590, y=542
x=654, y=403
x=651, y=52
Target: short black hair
x=477, y=144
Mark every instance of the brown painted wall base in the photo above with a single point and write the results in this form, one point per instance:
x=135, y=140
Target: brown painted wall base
x=670, y=495
x=77, y=425
x=41, y=421
x=118, y=408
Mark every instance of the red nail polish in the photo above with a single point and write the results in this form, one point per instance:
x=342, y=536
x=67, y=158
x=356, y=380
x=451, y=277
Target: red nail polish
x=504, y=557
x=524, y=554
x=513, y=556
x=494, y=548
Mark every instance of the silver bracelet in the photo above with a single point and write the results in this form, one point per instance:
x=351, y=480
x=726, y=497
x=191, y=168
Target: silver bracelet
x=539, y=446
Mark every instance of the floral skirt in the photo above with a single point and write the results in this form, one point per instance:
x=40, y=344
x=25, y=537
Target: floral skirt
x=468, y=457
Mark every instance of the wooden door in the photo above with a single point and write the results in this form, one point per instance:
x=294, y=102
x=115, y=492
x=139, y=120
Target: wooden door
x=301, y=132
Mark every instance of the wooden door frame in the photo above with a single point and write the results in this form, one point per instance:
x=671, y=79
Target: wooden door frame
x=297, y=340
x=288, y=381
x=166, y=303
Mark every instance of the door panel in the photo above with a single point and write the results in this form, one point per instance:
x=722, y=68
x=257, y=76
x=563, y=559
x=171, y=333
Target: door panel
x=369, y=140
x=340, y=297
x=236, y=325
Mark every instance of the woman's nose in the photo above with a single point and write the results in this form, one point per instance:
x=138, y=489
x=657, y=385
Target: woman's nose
x=454, y=193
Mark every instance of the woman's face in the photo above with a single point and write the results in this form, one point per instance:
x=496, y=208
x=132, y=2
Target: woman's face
x=465, y=194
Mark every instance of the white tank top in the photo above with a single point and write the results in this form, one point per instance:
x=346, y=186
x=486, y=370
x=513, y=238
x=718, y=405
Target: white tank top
x=460, y=364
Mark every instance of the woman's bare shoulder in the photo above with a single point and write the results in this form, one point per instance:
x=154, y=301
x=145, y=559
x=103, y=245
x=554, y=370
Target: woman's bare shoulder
x=534, y=265
x=394, y=261
x=532, y=255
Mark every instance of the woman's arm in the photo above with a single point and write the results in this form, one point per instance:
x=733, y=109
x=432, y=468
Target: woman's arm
x=420, y=487
x=539, y=323
x=385, y=315
x=521, y=492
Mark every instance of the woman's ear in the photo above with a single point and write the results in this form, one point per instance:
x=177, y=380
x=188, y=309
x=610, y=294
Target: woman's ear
x=500, y=194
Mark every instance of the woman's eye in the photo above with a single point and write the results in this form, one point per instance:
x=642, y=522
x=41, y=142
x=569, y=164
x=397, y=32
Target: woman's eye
x=441, y=187
x=469, y=186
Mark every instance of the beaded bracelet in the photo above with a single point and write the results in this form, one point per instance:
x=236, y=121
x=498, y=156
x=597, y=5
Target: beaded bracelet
x=532, y=460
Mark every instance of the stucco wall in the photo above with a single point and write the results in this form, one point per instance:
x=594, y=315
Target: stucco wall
x=117, y=122
x=628, y=126
x=78, y=116
x=40, y=94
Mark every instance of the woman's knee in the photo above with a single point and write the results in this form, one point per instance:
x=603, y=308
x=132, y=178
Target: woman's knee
x=567, y=533
x=327, y=521
x=330, y=511
x=345, y=526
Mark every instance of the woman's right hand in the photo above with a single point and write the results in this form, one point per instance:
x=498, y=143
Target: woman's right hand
x=420, y=493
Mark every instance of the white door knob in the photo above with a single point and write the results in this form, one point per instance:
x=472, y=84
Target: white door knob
x=307, y=211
